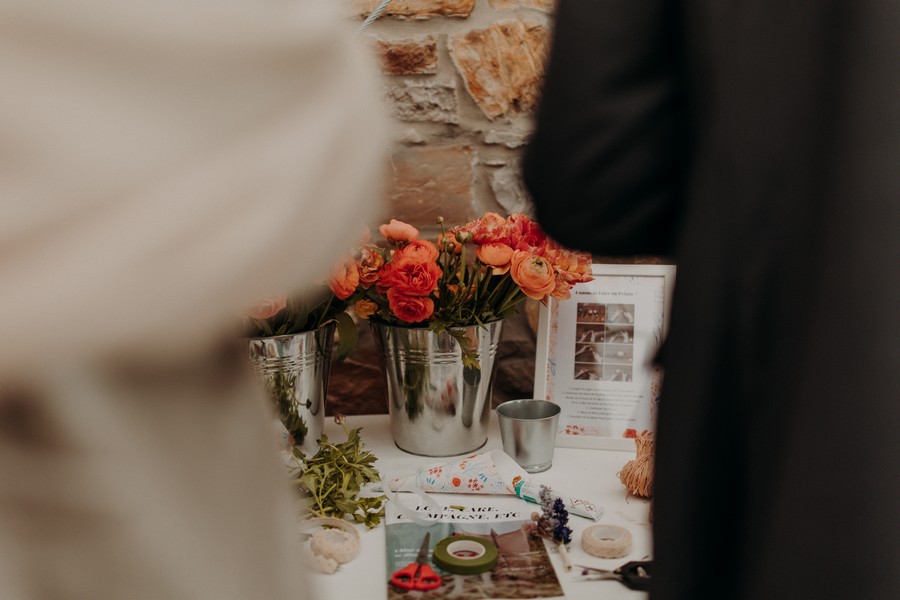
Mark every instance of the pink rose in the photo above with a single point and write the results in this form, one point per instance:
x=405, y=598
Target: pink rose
x=396, y=232
x=411, y=309
x=495, y=255
x=533, y=273
x=344, y=279
x=267, y=307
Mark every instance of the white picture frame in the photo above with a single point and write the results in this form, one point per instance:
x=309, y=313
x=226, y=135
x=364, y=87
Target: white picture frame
x=596, y=350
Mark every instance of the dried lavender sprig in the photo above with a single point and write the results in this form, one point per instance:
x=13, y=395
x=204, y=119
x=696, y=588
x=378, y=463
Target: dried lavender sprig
x=562, y=534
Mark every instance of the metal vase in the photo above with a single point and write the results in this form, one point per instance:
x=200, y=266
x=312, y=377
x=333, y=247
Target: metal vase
x=437, y=406
x=295, y=369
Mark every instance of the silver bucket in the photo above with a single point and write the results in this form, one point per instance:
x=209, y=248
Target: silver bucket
x=295, y=369
x=437, y=406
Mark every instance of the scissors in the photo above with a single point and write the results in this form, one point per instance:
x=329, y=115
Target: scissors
x=417, y=575
x=635, y=574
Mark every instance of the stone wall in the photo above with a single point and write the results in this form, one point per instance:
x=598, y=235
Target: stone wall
x=461, y=79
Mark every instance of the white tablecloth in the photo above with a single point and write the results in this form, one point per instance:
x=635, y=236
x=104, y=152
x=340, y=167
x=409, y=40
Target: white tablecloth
x=589, y=474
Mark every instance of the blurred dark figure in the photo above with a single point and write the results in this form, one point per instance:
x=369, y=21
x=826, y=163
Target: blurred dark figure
x=757, y=143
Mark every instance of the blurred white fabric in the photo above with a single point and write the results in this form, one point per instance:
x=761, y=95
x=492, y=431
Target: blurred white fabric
x=162, y=165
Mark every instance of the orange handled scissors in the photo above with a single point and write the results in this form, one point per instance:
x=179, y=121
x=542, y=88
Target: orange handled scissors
x=417, y=575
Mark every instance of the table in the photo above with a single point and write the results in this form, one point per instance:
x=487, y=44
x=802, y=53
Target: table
x=590, y=474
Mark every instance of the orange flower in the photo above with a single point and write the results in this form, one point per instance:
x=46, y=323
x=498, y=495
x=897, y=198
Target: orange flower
x=495, y=255
x=344, y=279
x=449, y=241
x=396, y=232
x=411, y=309
x=417, y=251
x=369, y=264
x=562, y=289
x=267, y=307
x=573, y=267
x=533, y=273
x=410, y=278
x=365, y=309
x=489, y=229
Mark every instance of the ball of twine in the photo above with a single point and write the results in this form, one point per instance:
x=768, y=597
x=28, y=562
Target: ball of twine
x=637, y=474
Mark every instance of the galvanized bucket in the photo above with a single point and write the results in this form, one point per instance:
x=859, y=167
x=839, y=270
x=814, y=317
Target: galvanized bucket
x=437, y=406
x=294, y=369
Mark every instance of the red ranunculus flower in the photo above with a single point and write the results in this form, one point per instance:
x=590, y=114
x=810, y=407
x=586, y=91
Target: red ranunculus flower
x=526, y=234
x=417, y=251
x=411, y=309
x=410, y=278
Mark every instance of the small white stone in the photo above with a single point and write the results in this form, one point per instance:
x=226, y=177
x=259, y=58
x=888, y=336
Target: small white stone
x=510, y=139
x=410, y=136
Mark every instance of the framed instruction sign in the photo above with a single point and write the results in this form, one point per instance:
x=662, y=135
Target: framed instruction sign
x=595, y=354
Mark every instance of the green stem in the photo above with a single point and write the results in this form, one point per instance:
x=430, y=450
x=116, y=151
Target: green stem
x=513, y=298
x=264, y=326
x=324, y=311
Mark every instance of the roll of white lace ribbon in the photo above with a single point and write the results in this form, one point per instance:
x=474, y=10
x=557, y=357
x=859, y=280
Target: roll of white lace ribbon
x=606, y=541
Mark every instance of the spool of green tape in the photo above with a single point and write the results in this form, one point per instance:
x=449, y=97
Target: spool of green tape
x=465, y=555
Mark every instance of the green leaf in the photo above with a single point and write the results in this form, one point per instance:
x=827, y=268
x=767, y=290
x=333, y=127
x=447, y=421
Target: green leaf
x=334, y=478
x=348, y=335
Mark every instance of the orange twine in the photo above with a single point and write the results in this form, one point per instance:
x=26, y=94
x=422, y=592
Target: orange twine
x=637, y=474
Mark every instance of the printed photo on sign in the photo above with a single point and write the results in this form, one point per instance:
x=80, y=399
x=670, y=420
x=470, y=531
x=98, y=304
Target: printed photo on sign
x=596, y=354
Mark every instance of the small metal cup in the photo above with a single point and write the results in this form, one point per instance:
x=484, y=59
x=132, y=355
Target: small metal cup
x=528, y=432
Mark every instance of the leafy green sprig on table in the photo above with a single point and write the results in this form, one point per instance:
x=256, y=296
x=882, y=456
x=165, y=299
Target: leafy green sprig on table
x=335, y=476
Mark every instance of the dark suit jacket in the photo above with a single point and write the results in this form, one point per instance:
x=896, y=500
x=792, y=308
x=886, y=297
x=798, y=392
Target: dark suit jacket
x=757, y=143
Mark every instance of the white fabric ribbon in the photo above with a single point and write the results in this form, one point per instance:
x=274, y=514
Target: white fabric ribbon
x=411, y=487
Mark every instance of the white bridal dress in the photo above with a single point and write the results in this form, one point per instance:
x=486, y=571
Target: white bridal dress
x=162, y=164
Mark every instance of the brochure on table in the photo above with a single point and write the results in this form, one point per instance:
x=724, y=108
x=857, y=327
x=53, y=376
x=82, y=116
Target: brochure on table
x=523, y=568
x=596, y=352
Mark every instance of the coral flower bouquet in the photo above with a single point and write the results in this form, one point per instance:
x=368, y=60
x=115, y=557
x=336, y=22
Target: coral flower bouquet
x=290, y=339
x=472, y=274
x=283, y=314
